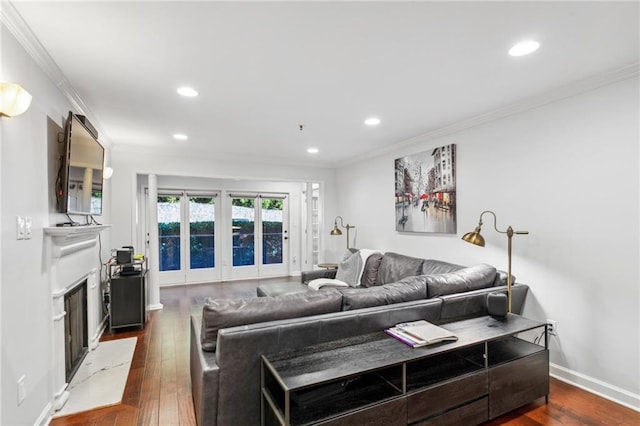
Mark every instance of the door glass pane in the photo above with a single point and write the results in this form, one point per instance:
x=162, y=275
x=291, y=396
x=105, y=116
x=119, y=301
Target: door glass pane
x=272, y=236
x=169, y=232
x=242, y=227
x=201, y=232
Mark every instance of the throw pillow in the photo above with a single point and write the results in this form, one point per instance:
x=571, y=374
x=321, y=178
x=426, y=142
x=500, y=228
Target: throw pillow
x=465, y=279
x=349, y=268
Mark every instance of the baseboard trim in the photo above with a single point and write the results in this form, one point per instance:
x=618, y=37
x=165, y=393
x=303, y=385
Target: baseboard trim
x=95, y=340
x=45, y=417
x=596, y=387
x=155, y=307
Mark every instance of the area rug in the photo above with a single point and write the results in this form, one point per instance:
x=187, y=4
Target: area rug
x=101, y=378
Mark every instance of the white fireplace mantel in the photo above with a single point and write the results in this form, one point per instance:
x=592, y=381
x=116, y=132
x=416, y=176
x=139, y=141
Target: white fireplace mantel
x=64, y=235
x=71, y=259
x=69, y=239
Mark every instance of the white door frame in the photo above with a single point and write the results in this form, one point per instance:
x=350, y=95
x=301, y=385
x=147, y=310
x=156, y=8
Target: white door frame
x=186, y=275
x=257, y=269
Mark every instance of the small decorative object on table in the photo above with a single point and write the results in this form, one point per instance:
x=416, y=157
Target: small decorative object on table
x=497, y=304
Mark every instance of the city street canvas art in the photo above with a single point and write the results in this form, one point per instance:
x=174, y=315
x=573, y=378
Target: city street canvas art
x=425, y=191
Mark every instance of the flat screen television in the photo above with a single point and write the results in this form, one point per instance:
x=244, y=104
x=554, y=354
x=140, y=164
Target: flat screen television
x=79, y=183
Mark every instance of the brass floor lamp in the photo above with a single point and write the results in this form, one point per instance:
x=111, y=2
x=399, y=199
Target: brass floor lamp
x=337, y=231
x=477, y=239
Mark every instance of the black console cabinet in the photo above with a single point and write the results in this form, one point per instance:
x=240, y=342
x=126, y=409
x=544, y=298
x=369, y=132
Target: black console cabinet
x=128, y=302
x=375, y=379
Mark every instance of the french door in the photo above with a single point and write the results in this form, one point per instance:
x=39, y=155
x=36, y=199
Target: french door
x=187, y=237
x=259, y=239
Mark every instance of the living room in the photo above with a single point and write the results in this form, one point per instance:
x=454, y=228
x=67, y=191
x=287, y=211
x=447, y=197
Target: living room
x=537, y=161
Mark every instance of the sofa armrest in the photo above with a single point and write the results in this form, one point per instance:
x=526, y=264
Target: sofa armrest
x=471, y=304
x=204, y=377
x=307, y=276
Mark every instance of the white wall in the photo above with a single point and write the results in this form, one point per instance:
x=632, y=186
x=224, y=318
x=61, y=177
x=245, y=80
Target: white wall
x=567, y=172
x=27, y=145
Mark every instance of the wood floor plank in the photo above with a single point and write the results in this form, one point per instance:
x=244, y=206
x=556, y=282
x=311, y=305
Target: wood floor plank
x=158, y=390
x=127, y=416
x=169, y=395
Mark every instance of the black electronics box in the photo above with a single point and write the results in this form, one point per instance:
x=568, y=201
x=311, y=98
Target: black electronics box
x=88, y=125
x=124, y=255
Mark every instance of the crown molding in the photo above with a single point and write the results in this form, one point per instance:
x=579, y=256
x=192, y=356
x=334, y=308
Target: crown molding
x=17, y=26
x=572, y=89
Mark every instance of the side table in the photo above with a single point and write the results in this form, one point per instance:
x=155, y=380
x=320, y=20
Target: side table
x=328, y=265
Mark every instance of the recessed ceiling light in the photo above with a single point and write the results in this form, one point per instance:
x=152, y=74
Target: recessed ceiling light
x=180, y=137
x=372, y=121
x=524, y=48
x=313, y=150
x=187, y=91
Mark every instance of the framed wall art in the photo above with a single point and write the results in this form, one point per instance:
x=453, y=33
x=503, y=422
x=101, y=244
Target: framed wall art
x=425, y=191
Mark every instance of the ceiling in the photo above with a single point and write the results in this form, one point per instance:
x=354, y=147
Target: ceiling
x=264, y=68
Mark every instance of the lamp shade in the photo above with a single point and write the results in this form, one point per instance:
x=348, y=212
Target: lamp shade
x=474, y=237
x=14, y=100
x=335, y=230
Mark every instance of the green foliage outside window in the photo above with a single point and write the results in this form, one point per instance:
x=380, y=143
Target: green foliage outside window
x=168, y=199
x=243, y=202
x=271, y=204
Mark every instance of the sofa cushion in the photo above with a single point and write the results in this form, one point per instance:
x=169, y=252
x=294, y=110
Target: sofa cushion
x=460, y=281
x=371, y=267
x=501, y=278
x=395, y=267
x=223, y=313
x=432, y=266
x=405, y=290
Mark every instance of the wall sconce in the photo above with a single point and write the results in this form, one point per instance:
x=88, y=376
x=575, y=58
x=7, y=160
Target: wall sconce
x=14, y=100
x=107, y=172
x=477, y=239
x=337, y=231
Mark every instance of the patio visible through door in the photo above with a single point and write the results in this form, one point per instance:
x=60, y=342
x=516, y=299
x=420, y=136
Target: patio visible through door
x=259, y=237
x=186, y=230
x=194, y=247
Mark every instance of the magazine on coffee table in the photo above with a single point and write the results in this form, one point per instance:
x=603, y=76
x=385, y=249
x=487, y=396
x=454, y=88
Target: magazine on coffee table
x=420, y=333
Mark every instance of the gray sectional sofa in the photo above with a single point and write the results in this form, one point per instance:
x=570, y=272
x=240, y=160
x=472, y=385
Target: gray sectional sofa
x=229, y=337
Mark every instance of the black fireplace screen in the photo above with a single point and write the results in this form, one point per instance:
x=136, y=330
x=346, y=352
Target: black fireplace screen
x=75, y=329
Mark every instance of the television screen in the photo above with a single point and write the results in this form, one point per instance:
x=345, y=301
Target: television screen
x=84, y=160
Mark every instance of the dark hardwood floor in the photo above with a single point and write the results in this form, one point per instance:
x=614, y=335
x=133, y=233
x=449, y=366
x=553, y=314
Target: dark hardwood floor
x=158, y=390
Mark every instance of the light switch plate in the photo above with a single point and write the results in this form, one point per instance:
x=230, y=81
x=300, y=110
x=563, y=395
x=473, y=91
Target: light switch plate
x=22, y=391
x=28, y=225
x=20, y=228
